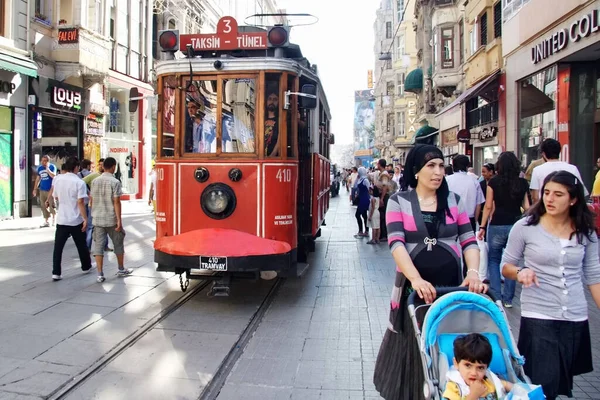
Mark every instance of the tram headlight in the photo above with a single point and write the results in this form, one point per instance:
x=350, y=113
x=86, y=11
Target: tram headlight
x=218, y=201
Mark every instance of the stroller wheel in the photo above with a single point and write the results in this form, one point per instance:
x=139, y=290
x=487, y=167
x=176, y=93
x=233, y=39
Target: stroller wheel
x=427, y=389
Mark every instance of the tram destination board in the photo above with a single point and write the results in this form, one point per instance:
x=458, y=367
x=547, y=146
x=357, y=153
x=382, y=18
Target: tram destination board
x=213, y=263
x=227, y=37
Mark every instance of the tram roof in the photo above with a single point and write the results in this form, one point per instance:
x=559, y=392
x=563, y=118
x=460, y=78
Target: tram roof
x=234, y=64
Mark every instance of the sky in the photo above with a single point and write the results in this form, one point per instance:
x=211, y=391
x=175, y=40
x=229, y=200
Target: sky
x=341, y=45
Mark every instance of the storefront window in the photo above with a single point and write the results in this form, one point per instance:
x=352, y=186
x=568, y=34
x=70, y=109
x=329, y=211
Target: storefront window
x=201, y=116
x=537, y=99
x=239, y=115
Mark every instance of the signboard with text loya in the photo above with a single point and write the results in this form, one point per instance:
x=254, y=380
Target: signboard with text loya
x=66, y=99
x=226, y=38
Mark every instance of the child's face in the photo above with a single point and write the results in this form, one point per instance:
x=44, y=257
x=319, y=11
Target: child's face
x=471, y=371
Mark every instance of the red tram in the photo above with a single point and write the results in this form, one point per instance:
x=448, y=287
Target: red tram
x=243, y=166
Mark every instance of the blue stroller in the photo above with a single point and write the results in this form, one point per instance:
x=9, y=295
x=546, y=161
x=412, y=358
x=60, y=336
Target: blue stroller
x=458, y=312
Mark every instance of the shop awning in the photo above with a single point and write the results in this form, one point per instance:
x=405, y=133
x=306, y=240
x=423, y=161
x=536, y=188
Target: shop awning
x=425, y=134
x=414, y=81
x=534, y=101
x=471, y=92
x=20, y=65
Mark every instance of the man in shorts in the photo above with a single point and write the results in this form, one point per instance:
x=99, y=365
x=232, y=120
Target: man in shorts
x=45, y=174
x=105, y=202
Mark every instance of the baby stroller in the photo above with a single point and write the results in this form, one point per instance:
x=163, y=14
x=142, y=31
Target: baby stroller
x=458, y=312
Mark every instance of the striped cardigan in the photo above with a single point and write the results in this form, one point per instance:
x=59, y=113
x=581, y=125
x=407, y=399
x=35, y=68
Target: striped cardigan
x=406, y=227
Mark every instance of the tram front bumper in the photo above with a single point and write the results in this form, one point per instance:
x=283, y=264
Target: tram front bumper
x=223, y=250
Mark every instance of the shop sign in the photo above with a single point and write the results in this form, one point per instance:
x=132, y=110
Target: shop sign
x=464, y=136
x=7, y=87
x=412, y=116
x=559, y=40
x=488, y=134
x=95, y=125
x=449, y=137
x=65, y=98
x=68, y=35
x=362, y=153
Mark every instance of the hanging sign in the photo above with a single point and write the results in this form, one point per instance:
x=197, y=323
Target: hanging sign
x=226, y=38
x=68, y=35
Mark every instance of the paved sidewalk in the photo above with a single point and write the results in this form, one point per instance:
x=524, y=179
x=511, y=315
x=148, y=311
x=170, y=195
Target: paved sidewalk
x=50, y=331
x=321, y=337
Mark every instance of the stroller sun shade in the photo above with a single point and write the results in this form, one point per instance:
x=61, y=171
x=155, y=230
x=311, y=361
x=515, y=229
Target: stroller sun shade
x=466, y=312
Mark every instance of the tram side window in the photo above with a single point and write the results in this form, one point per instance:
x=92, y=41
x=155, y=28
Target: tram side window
x=291, y=145
x=201, y=117
x=168, y=125
x=272, y=144
x=239, y=115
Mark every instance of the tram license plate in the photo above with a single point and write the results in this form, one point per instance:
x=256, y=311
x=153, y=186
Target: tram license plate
x=213, y=263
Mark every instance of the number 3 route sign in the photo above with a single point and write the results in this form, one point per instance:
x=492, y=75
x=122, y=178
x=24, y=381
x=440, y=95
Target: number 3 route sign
x=226, y=38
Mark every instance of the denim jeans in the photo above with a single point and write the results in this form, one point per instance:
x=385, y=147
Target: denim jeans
x=497, y=238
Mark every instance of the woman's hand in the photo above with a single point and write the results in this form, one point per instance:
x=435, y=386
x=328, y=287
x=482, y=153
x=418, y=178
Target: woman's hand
x=527, y=277
x=481, y=234
x=474, y=284
x=424, y=289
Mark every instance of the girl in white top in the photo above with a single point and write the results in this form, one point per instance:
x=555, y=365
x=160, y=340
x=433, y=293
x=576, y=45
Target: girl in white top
x=374, y=216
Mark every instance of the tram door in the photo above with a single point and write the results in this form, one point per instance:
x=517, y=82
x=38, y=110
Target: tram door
x=304, y=173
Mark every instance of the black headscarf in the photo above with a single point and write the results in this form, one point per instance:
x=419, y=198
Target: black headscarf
x=417, y=157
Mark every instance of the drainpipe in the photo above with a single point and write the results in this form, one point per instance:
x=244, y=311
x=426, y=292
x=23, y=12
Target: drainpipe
x=28, y=41
x=427, y=55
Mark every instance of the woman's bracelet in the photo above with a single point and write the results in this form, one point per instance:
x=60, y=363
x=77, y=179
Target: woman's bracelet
x=473, y=270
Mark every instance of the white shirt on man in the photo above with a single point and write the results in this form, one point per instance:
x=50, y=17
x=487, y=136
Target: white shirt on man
x=542, y=171
x=68, y=189
x=468, y=188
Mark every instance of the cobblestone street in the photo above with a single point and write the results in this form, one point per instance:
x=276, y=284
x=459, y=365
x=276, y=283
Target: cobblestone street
x=318, y=339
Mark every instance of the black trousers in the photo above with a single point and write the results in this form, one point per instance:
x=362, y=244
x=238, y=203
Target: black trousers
x=383, y=226
x=60, y=239
x=358, y=216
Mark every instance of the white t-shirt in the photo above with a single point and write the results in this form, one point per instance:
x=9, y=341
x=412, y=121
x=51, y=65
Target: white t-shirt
x=469, y=190
x=542, y=171
x=68, y=189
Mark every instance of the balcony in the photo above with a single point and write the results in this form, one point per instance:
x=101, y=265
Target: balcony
x=483, y=115
x=485, y=61
x=83, y=49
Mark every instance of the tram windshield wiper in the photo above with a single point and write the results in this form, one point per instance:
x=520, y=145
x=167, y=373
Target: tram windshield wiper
x=190, y=56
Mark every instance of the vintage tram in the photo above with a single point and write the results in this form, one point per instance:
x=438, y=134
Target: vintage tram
x=243, y=165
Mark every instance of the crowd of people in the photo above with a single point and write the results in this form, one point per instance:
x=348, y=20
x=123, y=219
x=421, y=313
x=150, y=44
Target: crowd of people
x=85, y=206
x=536, y=229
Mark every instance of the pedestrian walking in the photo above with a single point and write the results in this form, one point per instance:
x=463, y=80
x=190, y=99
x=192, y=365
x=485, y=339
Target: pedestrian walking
x=352, y=180
x=105, y=203
x=550, y=149
x=152, y=192
x=558, y=244
x=506, y=196
x=84, y=168
x=43, y=182
x=362, y=194
x=467, y=187
x=374, y=215
x=71, y=221
x=427, y=229
x=88, y=181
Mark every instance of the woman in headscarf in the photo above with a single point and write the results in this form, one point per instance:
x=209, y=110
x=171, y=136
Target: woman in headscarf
x=362, y=191
x=427, y=228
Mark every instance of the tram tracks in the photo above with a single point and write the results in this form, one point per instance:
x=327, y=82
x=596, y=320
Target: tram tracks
x=213, y=388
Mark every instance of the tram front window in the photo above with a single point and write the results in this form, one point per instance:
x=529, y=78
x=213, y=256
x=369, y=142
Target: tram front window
x=272, y=117
x=238, y=115
x=201, y=117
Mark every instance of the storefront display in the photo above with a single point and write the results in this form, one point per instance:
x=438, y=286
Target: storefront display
x=5, y=162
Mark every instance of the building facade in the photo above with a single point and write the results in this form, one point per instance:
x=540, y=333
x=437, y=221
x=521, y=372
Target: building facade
x=16, y=69
x=553, y=79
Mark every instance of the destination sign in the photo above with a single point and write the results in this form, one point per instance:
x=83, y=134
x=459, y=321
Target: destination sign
x=226, y=38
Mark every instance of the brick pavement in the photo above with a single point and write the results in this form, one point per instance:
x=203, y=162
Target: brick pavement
x=321, y=337
x=51, y=331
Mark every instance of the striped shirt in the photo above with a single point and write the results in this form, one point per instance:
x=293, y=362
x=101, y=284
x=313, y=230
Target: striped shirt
x=105, y=188
x=407, y=228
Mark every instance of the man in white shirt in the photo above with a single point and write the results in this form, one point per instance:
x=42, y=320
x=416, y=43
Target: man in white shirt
x=71, y=220
x=467, y=187
x=550, y=149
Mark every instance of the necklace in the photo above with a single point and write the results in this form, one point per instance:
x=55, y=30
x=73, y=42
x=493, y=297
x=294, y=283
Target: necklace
x=427, y=204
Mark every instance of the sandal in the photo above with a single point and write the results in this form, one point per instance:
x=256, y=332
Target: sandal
x=371, y=242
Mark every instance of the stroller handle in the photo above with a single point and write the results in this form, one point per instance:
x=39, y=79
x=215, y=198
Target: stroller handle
x=415, y=300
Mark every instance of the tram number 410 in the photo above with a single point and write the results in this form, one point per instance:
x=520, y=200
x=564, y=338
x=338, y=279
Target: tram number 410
x=284, y=175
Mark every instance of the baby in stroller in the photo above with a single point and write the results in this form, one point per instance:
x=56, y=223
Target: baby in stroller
x=458, y=318
x=470, y=379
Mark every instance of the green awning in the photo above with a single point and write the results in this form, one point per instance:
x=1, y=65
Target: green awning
x=425, y=134
x=414, y=81
x=20, y=65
